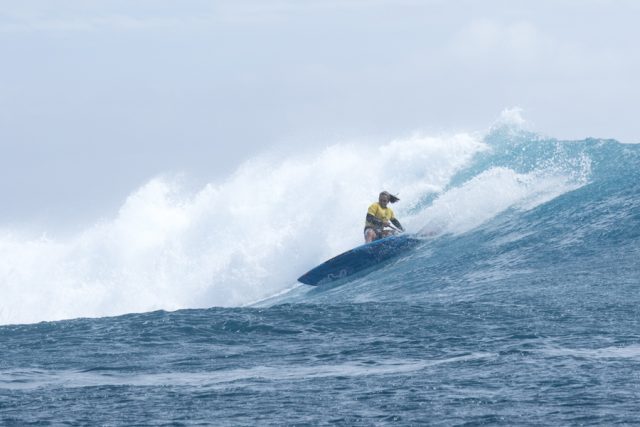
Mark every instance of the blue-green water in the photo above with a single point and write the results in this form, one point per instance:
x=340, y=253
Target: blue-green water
x=529, y=318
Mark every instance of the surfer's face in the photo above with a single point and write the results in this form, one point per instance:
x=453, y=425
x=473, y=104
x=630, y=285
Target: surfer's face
x=383, y=200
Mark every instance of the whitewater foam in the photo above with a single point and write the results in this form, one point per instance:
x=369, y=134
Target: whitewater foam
x=247, y=238
x=25, y=380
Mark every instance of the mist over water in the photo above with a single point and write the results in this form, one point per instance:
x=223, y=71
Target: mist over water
x=248, y=237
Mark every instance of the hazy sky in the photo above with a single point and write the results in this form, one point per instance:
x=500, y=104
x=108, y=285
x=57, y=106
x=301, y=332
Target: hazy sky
x=97, y=97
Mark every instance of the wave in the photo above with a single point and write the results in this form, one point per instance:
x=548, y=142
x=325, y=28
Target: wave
x=249, y=237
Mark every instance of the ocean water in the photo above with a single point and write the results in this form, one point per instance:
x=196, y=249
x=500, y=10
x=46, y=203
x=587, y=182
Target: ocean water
x=520, y=306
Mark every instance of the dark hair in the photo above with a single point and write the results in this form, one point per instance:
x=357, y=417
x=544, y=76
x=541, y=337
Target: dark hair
x=392, y=198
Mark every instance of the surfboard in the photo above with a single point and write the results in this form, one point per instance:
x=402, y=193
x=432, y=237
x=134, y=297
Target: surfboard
x=358, y=259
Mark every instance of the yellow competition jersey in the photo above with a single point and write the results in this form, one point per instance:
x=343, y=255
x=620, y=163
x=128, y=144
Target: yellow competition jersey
x=383, y=214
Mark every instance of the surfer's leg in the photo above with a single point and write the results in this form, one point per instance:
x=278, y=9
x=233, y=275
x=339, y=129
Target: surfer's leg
x=369, y=235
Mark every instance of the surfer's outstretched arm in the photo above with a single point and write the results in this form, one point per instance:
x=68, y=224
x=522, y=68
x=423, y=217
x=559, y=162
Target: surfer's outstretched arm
x=397, y=224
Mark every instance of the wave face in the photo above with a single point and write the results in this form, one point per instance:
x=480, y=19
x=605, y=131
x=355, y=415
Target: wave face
x=527, y=218
x=520, y=306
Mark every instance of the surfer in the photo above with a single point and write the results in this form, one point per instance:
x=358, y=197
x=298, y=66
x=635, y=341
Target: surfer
x=379, y=217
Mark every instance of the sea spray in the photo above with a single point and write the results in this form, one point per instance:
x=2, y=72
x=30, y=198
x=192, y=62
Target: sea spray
x=249, y=236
